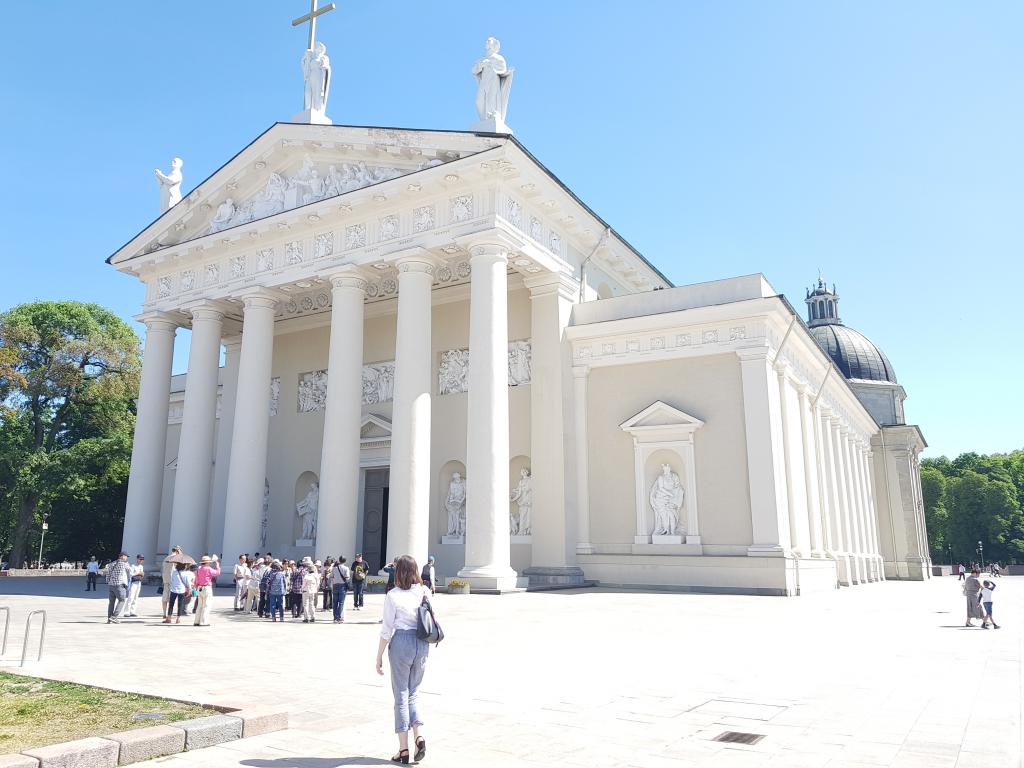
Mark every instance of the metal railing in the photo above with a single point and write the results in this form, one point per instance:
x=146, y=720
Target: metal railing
x=7, y=626
x=42, y=636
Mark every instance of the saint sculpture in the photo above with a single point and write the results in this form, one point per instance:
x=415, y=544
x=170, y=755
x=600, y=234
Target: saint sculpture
x=455, y=506
x=523, y=496
x=667, y=498
x=316, y=71
x=307, y=510
x=170, y=185
x=494, y=82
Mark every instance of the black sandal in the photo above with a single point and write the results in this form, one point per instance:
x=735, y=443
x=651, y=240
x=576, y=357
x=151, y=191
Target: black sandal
x=421, y=749
x=401, y=758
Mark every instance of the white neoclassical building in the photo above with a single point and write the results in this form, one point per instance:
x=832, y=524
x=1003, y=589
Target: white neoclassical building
x=412, y=341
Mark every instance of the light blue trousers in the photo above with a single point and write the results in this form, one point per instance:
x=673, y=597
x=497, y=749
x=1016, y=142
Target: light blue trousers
x=407, y=656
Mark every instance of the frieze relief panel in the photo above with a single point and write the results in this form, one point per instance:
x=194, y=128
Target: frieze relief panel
x=312, y=396
x=312, y=183
x=378, y=383
x=453, y=372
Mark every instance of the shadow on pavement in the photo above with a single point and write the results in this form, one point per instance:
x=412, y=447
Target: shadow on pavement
x=315, y=762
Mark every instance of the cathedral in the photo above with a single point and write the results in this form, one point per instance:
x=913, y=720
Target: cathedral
x=421, y=341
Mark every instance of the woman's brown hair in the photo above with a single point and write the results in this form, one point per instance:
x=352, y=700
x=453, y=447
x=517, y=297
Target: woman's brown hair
x=407, y=572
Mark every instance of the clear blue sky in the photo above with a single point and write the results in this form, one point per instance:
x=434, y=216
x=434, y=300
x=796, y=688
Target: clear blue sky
x=880, y=142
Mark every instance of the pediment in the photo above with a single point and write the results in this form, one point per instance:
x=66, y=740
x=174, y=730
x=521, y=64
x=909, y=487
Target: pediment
x=290, y=166
x=660, y=416
x=375, y=428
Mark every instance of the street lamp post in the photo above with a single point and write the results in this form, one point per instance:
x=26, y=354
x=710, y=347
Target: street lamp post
x=981, y=555
x=42, y=536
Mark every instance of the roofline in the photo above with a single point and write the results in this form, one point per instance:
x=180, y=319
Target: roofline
x=485, y=134
x=846, y=382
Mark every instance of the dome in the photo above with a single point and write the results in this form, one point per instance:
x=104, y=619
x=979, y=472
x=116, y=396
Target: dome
x=853, y=353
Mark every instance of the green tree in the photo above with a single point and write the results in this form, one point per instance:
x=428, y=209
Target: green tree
x=933, y=486
x=69, y=376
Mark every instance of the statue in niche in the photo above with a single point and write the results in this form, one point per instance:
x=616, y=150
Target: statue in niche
x=170, y=185
x=225, y=212
x=520, y=360
x=265, y=514
x=316, y=72
x=494, y=81
x=307, y=511
x=455, y=505
x=667, y=499
x=523, y=496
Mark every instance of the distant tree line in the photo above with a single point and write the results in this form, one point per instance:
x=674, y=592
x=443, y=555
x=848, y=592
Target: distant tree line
x=975, y=498
x=69, y=379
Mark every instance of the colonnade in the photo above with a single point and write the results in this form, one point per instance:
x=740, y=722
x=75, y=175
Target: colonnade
x=811, y=476
x=245, y=422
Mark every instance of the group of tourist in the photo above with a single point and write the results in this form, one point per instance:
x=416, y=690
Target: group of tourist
x=995, y=569
x=267, y=587
x=124, y=583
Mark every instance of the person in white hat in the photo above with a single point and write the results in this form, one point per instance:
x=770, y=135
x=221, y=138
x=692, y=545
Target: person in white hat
x=209, y=569
x=252, y=597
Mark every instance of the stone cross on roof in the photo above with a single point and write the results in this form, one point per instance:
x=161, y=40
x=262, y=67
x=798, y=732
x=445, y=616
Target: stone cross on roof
x=311, y=18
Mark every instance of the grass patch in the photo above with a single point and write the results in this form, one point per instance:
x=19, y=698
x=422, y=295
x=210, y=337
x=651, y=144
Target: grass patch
x=35, y=712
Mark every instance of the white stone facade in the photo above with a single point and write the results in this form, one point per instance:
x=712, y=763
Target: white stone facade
x=383, y=338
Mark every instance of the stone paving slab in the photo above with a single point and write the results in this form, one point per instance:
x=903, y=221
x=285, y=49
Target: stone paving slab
x=93, y=752
x=883, y=674
x=18, y=761
x=148, y=743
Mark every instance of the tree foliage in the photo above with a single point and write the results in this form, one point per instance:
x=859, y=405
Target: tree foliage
x=975, y=498
x=69, y=377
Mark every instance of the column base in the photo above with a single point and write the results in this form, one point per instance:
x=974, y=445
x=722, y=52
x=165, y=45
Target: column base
x=563, y=577
x=487, y=579
x=765, y=550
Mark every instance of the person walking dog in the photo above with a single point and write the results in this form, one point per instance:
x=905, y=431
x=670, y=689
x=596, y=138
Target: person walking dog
x=407, y=655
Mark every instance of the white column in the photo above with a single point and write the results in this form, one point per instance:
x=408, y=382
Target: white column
x=810, y=455
x=583, y=544
x=866, y=512
x=409, y=501
x=487, y=488
x=146, y=479
x=248, y=468
x=836, y=542
x=229, y=388
x=553, y=555
x=339, y=458
x=856, y=528
x=843, y=496
x=795, y=541
x=765, y=463
x=869, y=493
x=195, y=446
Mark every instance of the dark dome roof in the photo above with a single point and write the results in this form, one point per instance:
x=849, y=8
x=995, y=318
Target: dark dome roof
x=853, y=353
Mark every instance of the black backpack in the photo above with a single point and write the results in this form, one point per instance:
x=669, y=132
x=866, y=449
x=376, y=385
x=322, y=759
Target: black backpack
x=427, y=627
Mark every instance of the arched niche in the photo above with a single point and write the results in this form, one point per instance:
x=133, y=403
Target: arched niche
x=444, y=481
x=303, y=486
x=664, y=435
x=515, y=467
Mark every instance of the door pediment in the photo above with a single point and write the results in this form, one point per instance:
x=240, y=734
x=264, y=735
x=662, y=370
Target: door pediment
x=660, y=416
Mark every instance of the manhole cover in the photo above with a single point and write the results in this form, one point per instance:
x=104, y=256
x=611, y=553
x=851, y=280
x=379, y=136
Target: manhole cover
x=148, y=716
x=736, y=737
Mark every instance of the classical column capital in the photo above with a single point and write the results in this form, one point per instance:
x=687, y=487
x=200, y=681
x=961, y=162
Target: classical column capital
x=580, y=371
x=349, y=277
x=159, y=321
x=232, y=344
x=489, y=251
x=261, y=298
x=550, y=283
x=415, y=261
x=205, y=310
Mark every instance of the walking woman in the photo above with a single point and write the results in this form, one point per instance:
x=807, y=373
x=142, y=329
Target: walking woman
x=972, y=590
x=180, y=591
x=407, y=655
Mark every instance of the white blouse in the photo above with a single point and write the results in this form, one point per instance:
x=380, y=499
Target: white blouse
x=400, y=608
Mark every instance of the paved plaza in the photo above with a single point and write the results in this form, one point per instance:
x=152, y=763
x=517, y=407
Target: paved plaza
x=884, y=674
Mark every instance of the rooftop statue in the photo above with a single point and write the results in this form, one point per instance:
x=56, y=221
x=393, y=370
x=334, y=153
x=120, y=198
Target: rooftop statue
x=494, y=81
x=170, y=185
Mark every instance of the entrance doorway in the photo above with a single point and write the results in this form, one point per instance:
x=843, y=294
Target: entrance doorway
x=375, y=517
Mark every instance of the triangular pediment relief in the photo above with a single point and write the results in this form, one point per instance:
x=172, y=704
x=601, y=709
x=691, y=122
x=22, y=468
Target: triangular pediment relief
x=659, y=415
x=291, y=166
x=375, y=428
